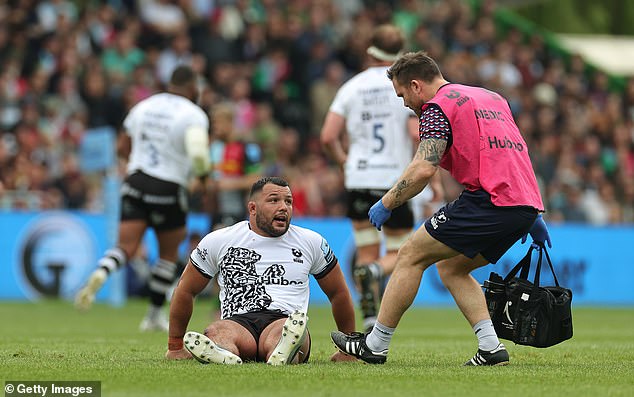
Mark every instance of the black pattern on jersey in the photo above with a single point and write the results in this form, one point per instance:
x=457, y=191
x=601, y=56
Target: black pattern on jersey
x=244, y=288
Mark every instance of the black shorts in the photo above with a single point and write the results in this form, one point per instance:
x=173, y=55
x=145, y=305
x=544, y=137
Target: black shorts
x=256, y=322
x=360, y=201
x=162, y=204
x=472, y=225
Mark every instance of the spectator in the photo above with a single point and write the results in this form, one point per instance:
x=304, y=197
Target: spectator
x=178, y=52
x=323, y=91
x=48, y=46
x=105, y=110
x=120, y=60
x=236, y=164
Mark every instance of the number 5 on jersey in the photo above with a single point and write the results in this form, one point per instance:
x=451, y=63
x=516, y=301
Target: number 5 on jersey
x=377, y=134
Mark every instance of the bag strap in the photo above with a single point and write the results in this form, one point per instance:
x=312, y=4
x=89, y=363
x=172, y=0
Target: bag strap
x=524, y=264
x=538, y=271
x=550, y=264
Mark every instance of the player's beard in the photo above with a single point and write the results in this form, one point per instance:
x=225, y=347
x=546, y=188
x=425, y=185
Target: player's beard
x=266, y=225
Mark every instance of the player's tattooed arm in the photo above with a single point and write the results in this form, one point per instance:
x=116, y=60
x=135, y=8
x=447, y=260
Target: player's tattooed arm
x=418, y=173
x=432, y=150
x=399, y=191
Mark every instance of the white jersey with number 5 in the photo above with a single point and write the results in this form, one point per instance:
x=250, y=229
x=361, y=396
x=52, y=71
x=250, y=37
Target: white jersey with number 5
x=157, y=127
x=376, y=122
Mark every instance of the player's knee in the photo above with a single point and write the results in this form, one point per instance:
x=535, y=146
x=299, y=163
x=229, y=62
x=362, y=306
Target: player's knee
x=406, y=253
x=448, y=273
x=410, y=255
x=212, y=332
x=444, y=274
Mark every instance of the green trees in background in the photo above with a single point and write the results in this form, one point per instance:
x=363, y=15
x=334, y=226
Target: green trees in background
x=581, y=16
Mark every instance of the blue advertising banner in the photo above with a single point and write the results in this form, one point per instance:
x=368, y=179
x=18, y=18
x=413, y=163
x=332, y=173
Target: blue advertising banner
x=595, y=262
x=97, y=149
x=52, y=253
x=48, y=254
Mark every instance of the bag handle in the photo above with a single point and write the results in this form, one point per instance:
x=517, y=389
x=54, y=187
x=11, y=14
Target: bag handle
x=550, y=264
x=542, y=250
x=538, y=270
x=524, y=264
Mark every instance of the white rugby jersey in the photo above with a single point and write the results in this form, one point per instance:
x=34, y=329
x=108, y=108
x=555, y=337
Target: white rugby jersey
x=157, y=127
x=256, y=272
x=376, y=122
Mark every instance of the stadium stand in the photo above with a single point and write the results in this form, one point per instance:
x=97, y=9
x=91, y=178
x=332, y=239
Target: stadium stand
x=68, y=67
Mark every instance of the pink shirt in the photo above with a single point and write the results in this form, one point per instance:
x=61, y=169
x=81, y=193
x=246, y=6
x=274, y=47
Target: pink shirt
x=488, y=151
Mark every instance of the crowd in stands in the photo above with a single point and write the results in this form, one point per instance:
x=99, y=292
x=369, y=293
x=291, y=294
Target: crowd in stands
x=68, y=67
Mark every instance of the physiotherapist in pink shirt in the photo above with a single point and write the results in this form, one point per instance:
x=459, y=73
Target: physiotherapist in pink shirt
x=470, y=132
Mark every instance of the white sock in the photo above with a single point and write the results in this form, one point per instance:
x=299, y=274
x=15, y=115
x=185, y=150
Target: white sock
x=380, y=337
x=487, y=338
x=154, y=311
x=114, y=258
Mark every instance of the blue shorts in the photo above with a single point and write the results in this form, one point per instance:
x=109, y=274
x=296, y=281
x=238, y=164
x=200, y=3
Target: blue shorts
x=472, y=225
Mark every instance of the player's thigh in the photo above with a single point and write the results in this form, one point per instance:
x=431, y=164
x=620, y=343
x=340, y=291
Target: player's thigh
x=169, y=222
x=133, y=218
x=227, y=333
x=459, y=265
x=421, y=249
x=472, y=225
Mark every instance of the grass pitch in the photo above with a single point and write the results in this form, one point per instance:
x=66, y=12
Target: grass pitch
x=49, y=340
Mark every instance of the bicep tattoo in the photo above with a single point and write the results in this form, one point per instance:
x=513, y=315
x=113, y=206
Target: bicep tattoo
x=431, y=149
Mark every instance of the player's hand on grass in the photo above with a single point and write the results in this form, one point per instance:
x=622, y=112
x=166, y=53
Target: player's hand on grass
x=539, y=233
x=339, y=356
x=181, y=354
x=379, y=214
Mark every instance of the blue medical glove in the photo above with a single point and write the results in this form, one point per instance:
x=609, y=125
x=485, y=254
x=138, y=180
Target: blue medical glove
x=539, y=233
x=379, y=214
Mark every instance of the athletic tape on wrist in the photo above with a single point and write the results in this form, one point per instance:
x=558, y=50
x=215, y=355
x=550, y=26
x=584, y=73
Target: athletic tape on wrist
x=174, y=343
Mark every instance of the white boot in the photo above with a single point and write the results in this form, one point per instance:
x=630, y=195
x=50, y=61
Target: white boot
x=206, y=351
x=86, y=296
x=293, y=335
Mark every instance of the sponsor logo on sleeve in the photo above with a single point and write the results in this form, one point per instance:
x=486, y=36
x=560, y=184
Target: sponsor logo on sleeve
x=325, y=249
